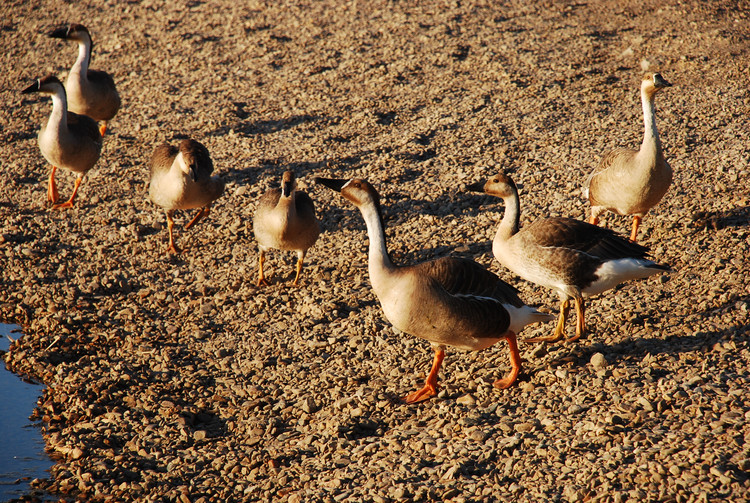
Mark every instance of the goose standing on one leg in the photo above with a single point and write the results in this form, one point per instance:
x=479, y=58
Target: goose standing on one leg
x=447, y=301
x=90, y=92
x=68, y=140
x=181, y=180
x=574, y=258
x=630, y=182
x=285, y=220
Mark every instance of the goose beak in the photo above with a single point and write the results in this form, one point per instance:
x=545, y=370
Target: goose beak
x=60, y=33
x=286, y=189
x=660, y=81
x=476, y=187
x=33, y=88
x=332, y=183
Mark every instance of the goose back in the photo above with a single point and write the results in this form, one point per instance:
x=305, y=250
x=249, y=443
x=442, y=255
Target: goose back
x=173, y=188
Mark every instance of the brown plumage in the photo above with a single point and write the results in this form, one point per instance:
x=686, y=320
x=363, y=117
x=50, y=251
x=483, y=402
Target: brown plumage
x=574, y=258
x=180, y=179
x=285, y=220
x=67, y=140
x=631, y=182
x=447, y=301
x=90, y=92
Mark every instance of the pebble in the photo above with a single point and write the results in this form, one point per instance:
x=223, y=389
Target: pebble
x=177, y=378
x=598, y=361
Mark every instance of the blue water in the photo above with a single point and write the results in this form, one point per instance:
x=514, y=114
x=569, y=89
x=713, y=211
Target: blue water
x=22, y=456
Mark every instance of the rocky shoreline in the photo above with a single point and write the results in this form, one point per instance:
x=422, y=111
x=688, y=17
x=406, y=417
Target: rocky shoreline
x=175, y=378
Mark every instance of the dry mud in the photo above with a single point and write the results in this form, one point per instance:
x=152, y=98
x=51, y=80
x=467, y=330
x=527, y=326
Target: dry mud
x=174, y=378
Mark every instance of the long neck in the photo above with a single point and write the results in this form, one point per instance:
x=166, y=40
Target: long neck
x=59, y=113
x=509, y=224
x=84, y=56
x=651, y=145
x=378, y=258
x=287, y=203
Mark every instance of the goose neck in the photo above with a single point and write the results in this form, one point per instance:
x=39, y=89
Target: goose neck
x=511, y=218
x=59, y=113
x=84, y=56
x=378, y=258
x=651, y=140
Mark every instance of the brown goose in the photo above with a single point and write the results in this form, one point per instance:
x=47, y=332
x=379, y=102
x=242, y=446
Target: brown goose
x=285, y=220
x=574, y=258
x=630, y=182
x=447, y=301
x=90, y=92
x=68, y=140
x=181, y=180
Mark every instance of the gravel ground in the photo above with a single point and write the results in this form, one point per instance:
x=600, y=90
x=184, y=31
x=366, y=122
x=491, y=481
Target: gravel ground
x=175, y=378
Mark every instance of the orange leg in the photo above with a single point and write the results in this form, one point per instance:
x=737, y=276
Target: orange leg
x=203, y=212
x=515, y=363
x=261, y=260
x=69, y=202
x=52, y=195
x=103, y=128
x=636, y=223
x=580, y=320
x=430, y=385
x=172, y=248
x=300, y=260
x=560, y=329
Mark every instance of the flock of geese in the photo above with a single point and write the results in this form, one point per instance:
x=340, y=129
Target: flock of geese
x=447, y=301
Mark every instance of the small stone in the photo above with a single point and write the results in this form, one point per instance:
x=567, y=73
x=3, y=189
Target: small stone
x=645, y=403
x=466, y=400
x=598, y=361
x=308, y=405
x=479, y=435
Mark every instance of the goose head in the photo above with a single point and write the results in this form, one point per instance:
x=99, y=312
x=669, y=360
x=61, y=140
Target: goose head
x=500, y=185
x=75, y=32
x=288, y=183
x=359, y=192
x=653, y=82
x=48, y=85
x=192, y=154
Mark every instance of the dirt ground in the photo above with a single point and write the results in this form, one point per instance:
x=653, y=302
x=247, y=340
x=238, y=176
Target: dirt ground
x=175, y=378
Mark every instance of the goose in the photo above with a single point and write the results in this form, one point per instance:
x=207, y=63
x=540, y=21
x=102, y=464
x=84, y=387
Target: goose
x=181, y=180
x=447, y=301
x=630, y=182
x=90, y=92
x=285, y=220
x=575, y=258
x=67, y=140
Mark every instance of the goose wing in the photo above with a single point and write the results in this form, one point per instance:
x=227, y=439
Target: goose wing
x=464, y=277
x=205, y=165
x=100, y=79
x=268, y=201
x=613, y=158
x=303, y=203
x=579, y=236
x=162, y=158
x=83, y=126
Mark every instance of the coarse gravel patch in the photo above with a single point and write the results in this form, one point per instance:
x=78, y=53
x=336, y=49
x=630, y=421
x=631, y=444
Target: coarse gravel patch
x=176, y=378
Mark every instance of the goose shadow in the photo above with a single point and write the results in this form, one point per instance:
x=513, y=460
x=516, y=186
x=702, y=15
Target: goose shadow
x=270, y=169
x=716, y=220
x=346, y=216
x=638, y=348
x=264, y=127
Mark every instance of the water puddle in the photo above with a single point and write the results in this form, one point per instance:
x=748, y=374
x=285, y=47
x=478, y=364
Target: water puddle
x=22, y=456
